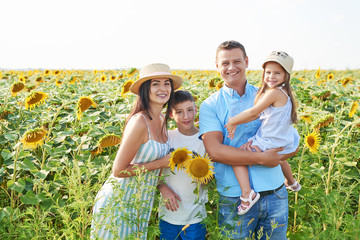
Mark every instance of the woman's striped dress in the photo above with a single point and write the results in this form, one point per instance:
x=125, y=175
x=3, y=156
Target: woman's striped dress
x=116, y=213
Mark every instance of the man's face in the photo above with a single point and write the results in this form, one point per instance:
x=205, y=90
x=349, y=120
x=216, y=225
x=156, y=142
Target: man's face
x=232, y=65
x=184, y=115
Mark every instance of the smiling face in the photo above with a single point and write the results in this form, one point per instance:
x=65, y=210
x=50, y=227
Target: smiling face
x=274, y=74
x=160, y=89
x=184, y=115
x=232, y=65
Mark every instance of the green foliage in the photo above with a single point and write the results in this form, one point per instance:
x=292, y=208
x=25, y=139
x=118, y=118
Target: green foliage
x=48, y=192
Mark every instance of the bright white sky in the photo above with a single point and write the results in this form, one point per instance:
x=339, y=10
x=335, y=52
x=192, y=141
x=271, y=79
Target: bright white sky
x=109, y=34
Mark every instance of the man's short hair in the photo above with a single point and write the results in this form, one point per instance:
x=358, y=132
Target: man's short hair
x=228, y=45
x=182, y=96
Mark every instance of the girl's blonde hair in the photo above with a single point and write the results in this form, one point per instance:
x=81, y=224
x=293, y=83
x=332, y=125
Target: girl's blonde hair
x=287, y=87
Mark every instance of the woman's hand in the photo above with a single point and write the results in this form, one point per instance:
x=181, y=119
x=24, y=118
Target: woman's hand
x=170, y=197
x=164, y=161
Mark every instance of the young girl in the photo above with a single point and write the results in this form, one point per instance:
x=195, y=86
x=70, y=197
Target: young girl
x=275, y=104
x=144, y=144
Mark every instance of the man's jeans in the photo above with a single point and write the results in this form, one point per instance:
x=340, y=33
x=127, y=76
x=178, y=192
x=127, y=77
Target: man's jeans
x=268, y=215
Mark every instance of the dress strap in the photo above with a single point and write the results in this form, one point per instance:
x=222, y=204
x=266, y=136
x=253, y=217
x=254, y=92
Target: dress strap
x=147, y=125
x=281, y=88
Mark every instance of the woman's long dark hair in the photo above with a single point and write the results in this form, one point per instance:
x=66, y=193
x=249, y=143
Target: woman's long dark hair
x=142, y=104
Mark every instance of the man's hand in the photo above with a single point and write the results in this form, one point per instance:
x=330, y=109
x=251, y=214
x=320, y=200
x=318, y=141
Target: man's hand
x=272, y=157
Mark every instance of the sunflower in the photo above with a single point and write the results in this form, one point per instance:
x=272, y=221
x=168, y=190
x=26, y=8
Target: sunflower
x=211, y=83
x=346, y=81
x=56, y=72
x=353, y=109
x=219, y=85
x=324, y=121
x=17, y=87
x=131, y=72
x=109, y=140
x=58, y=82
x=103, y=78
x=83, y=104
x=200, y=168
x=46, y=72
x=34, y=138
x=317, y=74
x=35, y=99
x=330, y=76
x=306, y=118
x=22, y=79
x=113, y=77
x=179, y=158
x=312, y=141
x=126, y=87
x=39, y=79
x=95, y=71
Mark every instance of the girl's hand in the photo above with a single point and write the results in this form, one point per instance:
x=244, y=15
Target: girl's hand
x=170, y=197
x=231, y=129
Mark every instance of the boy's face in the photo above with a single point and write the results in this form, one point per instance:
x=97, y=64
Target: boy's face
x=184, y=116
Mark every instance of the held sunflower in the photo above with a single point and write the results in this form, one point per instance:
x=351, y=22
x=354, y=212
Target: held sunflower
x=200, y=169
x=312, y=141
x=34, y=138
x=178, y=158
x=35, y=99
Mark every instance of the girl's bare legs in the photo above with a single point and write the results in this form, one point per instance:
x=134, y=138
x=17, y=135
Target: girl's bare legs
x=285, y=167
x=242, y=175
x=290, y=183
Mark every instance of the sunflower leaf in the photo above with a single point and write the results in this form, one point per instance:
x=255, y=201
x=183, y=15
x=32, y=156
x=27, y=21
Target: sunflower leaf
x=16, y=186
x=29, y=198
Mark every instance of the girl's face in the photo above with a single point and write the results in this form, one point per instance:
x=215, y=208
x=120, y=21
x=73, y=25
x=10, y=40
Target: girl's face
x=274, y=74
x=160, y=89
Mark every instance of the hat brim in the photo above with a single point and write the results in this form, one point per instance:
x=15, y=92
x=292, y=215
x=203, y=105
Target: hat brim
x=177, y=81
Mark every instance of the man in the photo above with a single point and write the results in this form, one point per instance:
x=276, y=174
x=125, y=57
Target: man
x=271, y=211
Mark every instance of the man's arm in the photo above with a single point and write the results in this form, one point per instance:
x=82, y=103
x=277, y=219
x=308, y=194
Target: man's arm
x=222, y=153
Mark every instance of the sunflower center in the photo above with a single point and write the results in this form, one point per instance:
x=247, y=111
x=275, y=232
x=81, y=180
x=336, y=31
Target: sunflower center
x=85, y=104
x=199, y=168
x=34, y=137
x=311, y=141
x=180, y=156
x=37, y=97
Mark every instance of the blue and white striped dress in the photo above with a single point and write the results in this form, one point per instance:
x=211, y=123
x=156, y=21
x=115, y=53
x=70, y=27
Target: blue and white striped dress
x=115, y=214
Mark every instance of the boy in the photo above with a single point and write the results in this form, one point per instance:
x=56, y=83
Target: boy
x=181, y=206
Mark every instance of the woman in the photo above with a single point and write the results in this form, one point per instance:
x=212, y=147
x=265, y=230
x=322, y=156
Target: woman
x=144, y=145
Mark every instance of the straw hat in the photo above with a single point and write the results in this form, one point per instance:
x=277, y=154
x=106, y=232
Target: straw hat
x=281, y=58
x=155, y=70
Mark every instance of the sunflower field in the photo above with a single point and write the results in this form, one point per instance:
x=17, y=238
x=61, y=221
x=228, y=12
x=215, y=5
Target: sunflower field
x=60, y=130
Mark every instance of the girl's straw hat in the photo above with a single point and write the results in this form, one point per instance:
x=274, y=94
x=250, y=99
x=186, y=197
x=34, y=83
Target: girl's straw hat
x=281, y=58
x=155, y=70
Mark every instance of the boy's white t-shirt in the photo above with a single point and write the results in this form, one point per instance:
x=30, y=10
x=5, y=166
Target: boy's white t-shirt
x=190, y=210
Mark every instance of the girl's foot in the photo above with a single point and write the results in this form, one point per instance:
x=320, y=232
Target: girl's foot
x=294, y=187
x=252, y=199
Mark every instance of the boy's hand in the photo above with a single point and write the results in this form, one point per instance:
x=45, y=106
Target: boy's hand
x=170, y=197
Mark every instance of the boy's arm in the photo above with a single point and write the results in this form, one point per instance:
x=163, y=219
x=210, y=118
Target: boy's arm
x=169, y=196
x=222, y=153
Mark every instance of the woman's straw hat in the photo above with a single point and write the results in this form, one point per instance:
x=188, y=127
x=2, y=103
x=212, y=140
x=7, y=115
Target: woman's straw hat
x=155, y=70
x=282, y=58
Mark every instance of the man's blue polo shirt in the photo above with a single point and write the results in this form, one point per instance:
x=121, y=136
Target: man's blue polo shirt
x=214, y=114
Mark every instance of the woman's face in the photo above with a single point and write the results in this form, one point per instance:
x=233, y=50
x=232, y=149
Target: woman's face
x=160, y=89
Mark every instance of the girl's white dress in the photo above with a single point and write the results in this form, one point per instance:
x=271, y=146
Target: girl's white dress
x=276, y=129
x=115, y=213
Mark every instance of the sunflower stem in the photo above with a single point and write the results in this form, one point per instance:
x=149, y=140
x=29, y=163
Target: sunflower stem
x=57, y=114
x=13, y=181
x=6, y=98
x=298, y=180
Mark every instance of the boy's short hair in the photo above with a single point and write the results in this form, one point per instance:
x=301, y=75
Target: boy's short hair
x=182, y=96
